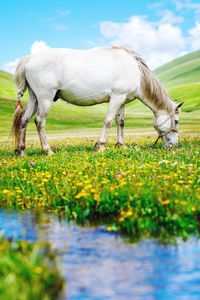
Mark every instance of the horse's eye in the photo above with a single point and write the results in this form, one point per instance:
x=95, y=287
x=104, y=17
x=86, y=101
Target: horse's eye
x=176, y=122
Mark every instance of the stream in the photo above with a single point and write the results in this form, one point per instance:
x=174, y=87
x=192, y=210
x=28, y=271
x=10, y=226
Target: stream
x=101, y=265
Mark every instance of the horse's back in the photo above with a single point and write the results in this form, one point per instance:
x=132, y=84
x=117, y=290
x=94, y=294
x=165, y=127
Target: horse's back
x=104, y=61
x=84, y=73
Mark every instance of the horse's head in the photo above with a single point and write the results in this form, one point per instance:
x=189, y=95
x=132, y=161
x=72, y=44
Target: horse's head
x=167, y=127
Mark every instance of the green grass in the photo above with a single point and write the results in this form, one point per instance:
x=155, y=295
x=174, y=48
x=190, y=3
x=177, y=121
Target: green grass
x=182, y=78
x=183, y=70
x=7, y=86
x=142, y=191
x=190, y=94
x=28, y=271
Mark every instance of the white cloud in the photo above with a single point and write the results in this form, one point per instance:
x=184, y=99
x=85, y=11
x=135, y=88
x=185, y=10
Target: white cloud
x=169, y=17
x=155, y=5
x=194, y=38
x=157, y=42
x=36, y=47
x=187, y=5
x=11, y=66
x=57, y=21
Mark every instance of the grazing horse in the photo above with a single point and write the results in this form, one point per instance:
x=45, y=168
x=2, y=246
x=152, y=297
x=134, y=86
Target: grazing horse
x=115, y=75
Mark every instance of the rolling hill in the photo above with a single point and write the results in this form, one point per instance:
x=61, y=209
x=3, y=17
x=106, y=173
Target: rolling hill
x=181, y=77
x=183, y=70
x=7, y=86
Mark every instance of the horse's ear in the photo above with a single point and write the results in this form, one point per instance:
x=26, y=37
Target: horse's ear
x=178, y=106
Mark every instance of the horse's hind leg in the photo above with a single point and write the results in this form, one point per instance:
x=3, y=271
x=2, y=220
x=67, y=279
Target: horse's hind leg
x=116, y=102
x=29, y=111
x=43, y=108
x=120, y=127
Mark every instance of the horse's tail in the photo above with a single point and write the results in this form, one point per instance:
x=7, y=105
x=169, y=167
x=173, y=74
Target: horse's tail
x=16, y=124
x=20, y=77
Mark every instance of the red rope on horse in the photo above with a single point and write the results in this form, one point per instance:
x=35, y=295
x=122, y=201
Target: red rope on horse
x=19, y=105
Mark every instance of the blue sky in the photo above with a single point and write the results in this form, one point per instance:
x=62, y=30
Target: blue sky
x=159, y=31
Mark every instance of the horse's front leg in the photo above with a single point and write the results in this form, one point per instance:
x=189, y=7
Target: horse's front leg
x=120, y=127
x=116, y=102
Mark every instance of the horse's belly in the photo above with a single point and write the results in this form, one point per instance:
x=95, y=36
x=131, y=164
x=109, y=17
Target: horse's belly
x=83, y=100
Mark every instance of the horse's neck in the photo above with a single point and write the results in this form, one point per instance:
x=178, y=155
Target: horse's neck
x=166, y=109
x=152, y=93
x=149, y=104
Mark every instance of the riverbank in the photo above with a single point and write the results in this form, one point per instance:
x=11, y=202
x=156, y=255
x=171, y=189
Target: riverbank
x=141, y=191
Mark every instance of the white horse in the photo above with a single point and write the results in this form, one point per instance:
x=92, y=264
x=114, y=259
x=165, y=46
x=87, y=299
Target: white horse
x=115, y=75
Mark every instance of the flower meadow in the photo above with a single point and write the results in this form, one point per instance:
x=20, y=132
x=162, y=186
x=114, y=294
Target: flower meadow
x=139, y=190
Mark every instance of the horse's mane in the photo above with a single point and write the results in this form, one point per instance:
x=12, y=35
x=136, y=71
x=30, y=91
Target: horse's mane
x=151, y=86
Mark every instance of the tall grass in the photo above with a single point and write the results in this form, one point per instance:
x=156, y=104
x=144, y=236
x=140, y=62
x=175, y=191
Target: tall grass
x=28, y=271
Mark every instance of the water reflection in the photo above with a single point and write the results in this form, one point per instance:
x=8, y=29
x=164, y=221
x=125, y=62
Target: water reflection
x=99, y=265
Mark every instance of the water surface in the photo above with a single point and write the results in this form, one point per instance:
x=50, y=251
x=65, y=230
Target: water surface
x=99, y=265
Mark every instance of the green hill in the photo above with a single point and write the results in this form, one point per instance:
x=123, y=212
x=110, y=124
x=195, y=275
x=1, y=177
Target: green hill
x=183, y=70
x=7, y=86
x=181, y=77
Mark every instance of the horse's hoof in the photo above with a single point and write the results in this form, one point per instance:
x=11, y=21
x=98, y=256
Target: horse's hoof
x=119, y=145
x=48, y=152
x=100, y=147
x=17, y=151
x=20, y=152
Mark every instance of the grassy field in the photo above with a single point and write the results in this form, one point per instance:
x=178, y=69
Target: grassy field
x=142, y=191
x=183, y=70
x=182, y=79
x=7, y=86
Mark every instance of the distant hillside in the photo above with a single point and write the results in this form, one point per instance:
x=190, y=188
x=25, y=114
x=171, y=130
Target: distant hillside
x=182, y=79
x=7, y=86
x=183, y=70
